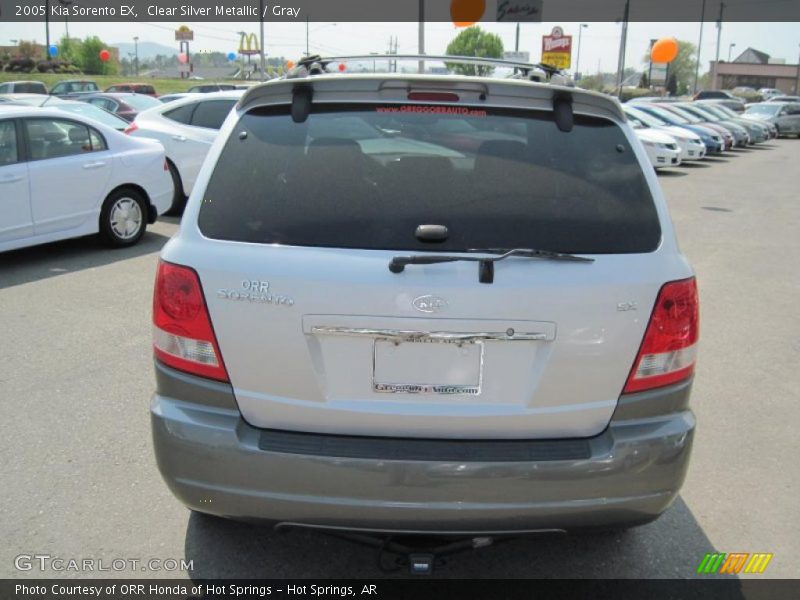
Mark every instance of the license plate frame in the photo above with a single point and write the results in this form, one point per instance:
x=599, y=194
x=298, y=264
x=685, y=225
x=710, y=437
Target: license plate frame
x=466, y=353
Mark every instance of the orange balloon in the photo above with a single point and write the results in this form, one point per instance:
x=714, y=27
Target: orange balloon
x=289, y=64
x=664, y=50
x=466, y=12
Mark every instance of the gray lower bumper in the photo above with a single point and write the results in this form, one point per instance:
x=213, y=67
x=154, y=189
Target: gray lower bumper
x=214, y=462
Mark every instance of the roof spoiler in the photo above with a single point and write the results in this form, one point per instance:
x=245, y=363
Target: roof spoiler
x=317, y=65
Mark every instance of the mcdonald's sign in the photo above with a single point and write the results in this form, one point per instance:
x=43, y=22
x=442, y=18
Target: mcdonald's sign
x=733, y=563
x=248, y=44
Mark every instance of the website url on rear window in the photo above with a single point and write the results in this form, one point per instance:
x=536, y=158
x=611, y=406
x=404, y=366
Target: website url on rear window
x=439, y=110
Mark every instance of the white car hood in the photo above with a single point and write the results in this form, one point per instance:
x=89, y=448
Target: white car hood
x=657, y=137
x=679, y=132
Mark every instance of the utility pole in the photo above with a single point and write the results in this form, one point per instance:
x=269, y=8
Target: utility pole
x=699, y=46
x=581, y=27
x=47, y=29
x=516, y=41
x=421, y=36
x=719, y=36
x=622, y=44
x=392, y=50
x=307, y=52
x=731, y=46
x=136, y=50
x=67, y=4
x=261, y=41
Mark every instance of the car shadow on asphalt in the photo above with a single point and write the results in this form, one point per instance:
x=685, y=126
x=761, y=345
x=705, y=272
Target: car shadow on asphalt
x=670, y=173
x=694, y=165
x=50, y=260
x=671, y=547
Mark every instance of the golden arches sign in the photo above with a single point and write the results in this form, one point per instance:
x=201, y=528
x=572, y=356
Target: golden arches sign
x=248, y=44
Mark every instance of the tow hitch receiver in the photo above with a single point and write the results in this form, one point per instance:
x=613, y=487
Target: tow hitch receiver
x=419, y=557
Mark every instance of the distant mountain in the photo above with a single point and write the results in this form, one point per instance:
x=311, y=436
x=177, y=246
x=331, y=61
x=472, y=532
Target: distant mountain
x=147, y=50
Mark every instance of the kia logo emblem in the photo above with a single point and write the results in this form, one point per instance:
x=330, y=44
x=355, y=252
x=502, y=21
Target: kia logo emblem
x=429, y=304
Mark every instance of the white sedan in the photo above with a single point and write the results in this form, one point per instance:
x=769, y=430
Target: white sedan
x=662, y=149
x=186, y=128
x=63, y=176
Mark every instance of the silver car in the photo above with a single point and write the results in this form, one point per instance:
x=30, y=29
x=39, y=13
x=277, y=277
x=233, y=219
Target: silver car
x=784, y=115
x=427, y=304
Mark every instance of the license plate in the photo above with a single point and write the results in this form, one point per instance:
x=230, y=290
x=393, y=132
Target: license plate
x=430, y=367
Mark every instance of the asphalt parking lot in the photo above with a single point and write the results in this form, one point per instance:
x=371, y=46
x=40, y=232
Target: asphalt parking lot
x=80, y=480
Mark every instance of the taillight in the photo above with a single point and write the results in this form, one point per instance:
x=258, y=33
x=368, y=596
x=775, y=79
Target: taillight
x=669, y=348
x=131, y=128
x=183, y=337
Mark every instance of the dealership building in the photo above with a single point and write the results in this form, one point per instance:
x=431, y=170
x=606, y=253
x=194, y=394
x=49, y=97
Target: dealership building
x=755, y=69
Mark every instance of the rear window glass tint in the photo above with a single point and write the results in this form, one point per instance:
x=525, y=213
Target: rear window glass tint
x=8, y=143
x=140, y=101
x=212, y=113
x=367, y=178
x=30, y=88
x=182, y=114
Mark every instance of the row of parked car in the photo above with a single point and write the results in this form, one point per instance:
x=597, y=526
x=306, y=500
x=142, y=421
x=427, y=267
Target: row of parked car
x=673, y=132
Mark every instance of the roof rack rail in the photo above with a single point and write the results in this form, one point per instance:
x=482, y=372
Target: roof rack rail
x=317, y=65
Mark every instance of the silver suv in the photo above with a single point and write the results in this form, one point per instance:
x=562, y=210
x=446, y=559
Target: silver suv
x=425, y=304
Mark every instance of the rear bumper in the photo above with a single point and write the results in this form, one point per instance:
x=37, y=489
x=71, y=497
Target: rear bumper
x=216, y=463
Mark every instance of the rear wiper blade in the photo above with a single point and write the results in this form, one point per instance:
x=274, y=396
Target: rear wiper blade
x=486, y=272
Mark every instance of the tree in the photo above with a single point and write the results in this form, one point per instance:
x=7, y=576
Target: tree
x=89, y=60
x=644, y=82
x=683, y=67
x=672, y=84
x=69, y=49
x=473, y=41
x=26, y=49
x=591, y=82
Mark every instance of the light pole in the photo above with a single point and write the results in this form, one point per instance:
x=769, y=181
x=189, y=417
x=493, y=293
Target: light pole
x=797, y=83
x=67, y=4
x=730, y=47
x=136, y=51
x=699, y=46
x=261, y=50
x=581, y=27
x=715, y=70
x=622, y=44
x=47, y=29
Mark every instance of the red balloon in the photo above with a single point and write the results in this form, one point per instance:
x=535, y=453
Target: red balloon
x=105, y=55
x=342, y=67
x=664, y=50
x=182, y=58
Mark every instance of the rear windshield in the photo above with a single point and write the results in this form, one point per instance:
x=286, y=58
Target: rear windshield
x=93, y=112
x=763, y=109
x=141, y=102
x=368, y=177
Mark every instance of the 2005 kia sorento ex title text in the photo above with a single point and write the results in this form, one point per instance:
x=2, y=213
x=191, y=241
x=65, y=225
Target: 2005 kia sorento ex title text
x=416, y=382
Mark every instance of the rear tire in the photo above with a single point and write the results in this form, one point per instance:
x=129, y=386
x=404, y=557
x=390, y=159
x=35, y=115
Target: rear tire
x=123, y=219
x=178, y=197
